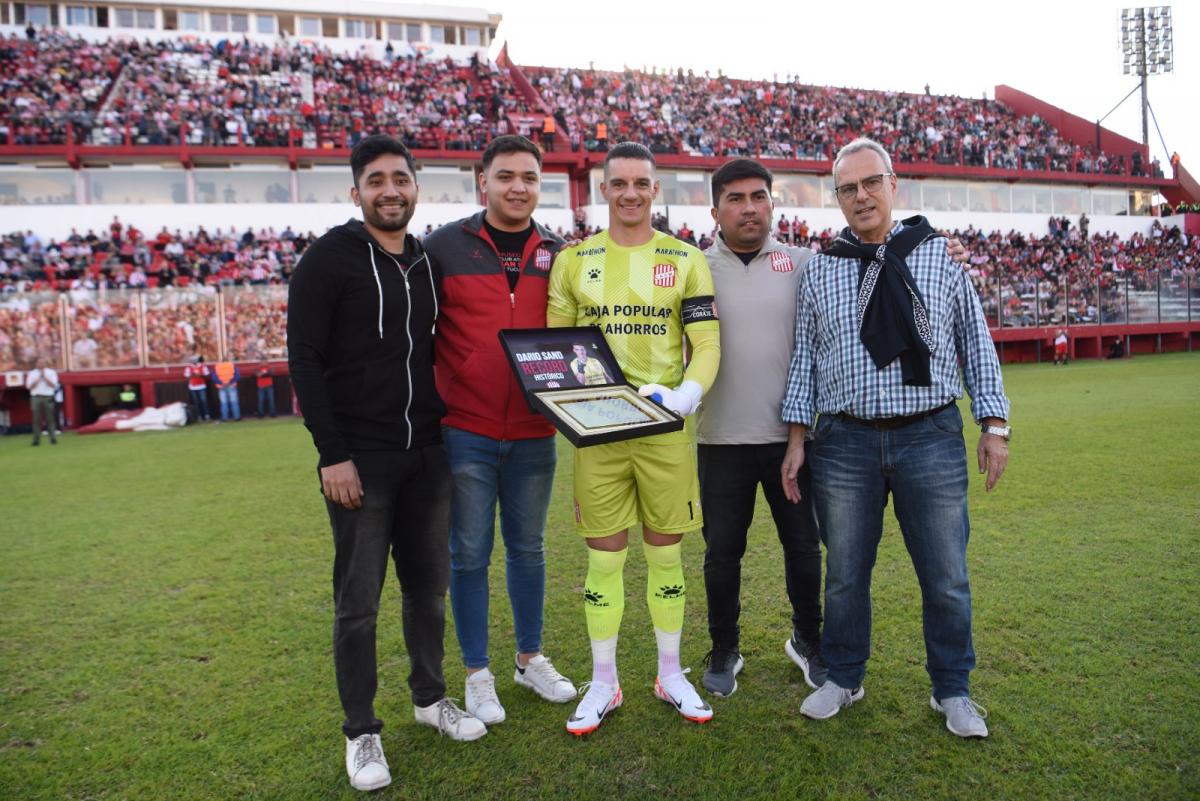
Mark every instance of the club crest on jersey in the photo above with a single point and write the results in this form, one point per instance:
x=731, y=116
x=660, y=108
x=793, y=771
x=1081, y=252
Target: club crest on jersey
x=781, y=262
x=542, y=259
x=664, y=275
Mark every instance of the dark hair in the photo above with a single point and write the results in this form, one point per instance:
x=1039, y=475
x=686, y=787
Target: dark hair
x=510, y=143
x=736, y=170
x=630, y=150
x=372, y=147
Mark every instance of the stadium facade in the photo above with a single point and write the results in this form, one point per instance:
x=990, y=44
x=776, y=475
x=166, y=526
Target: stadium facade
x=269, y=170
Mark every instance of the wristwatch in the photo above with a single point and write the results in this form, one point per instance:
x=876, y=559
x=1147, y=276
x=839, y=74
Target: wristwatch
x=999, y=431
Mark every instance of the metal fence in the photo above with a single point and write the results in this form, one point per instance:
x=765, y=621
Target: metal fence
x=125, y=328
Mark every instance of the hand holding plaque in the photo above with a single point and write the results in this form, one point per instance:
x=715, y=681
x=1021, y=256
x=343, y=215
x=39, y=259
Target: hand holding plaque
x=571, y=376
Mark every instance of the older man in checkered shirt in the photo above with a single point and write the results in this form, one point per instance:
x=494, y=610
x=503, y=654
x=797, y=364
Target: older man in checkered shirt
x=884, y=319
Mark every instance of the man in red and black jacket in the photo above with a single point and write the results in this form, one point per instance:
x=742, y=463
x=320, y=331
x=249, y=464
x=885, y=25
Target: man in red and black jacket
x=495, y=267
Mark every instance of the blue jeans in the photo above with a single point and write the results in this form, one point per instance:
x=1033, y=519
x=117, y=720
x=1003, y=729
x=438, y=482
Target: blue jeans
x=520, y=475
x=230, y=405
x=200, y=401
x=923, y=465
x=266, y=401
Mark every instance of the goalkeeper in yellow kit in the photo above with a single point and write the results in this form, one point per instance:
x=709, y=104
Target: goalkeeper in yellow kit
x=646, y=291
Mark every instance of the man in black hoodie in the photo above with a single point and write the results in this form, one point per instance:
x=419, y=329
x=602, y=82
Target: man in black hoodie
x=361, y=312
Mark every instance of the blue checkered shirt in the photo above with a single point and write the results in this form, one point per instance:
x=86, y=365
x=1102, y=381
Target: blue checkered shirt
x=832, y=371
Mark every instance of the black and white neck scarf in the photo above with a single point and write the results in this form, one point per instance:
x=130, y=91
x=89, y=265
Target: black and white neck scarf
x=892, y=318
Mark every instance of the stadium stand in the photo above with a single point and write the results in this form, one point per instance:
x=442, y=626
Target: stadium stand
x=238, y=93
x=677, y=112
x=201, y=131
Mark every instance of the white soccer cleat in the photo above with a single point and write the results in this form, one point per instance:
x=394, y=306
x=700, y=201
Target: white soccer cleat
x=541, y=677
x=481, y=699
x=366, y=764
x=599, y=699
x=677, y=691
x=451, y=721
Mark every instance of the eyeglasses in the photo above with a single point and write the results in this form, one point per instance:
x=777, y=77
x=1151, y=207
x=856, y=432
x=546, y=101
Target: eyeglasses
x=872, y=183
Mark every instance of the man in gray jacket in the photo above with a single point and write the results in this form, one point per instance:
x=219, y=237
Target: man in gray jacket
x=741, y=437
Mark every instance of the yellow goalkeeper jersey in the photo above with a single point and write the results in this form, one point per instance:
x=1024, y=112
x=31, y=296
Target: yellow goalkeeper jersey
x=642, y=298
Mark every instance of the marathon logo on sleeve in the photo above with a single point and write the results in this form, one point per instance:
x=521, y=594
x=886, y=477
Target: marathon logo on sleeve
x=664, y=275
x=781, y=262
x=698, y=309
x=542, y=259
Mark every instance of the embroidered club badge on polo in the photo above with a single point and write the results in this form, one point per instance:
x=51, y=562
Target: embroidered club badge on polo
x=664, y=275
x=542, y=259
x=781, y=262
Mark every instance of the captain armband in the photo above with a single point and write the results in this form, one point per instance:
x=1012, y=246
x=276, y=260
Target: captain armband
x=700, y=309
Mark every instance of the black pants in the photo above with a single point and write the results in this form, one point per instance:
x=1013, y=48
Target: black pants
x=405, y=511
x=729, y=479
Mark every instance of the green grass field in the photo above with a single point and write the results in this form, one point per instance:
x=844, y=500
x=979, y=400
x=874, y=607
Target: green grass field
x=166, y=612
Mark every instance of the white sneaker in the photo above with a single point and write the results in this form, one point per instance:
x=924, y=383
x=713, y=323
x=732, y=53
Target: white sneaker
x=481, y=699
x=677, y=691
x=964, y=717
x=541, y=677
x=450, y=720
x=828, y=701
x=366, y=764
x=599, y=699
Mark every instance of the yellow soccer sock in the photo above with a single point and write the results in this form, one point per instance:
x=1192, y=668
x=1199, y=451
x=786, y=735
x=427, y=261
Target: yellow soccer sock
x=665, y=589
x=604, y=592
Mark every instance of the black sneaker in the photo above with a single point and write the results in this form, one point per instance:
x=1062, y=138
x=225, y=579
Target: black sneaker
x=723, y=665
x=807, y=656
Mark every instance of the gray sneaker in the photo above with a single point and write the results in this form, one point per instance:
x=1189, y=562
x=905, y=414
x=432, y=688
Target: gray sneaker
x=828, y=701
x=807, y=656
x=720, y=677
x=964, y=717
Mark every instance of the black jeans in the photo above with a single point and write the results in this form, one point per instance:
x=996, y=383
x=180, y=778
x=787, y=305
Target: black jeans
x=729, y=479
x=405, y=511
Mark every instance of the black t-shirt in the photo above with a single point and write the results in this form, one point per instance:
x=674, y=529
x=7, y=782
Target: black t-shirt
x=511, y=246
x=747, y=257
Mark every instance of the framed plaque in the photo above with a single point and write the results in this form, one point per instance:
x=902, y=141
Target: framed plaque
x=571, y=376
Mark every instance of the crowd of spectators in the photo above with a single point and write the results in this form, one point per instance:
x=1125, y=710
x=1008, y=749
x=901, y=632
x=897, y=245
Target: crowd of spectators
x=126, y=258
x=52, y=84
x=236, y=92
x=678, y=112
x=1066, y=276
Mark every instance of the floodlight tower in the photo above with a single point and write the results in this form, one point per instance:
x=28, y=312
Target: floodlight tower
x=1148, y=46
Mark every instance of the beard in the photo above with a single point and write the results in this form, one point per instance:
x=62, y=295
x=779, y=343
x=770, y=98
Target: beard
x=376, y=219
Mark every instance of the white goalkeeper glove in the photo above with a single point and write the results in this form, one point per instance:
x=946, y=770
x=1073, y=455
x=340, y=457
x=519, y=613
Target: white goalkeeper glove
x=683, y=400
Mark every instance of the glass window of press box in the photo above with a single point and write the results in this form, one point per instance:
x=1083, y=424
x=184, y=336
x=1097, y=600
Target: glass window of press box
x=556, y=191
x=1031, y=199
x=358, y=29
x=403, y=31
x=447, y=185
x=1109, y=201
x=257, y=185
x=989, y=198
x=677, y=188
x=943, y=196
x=790, y=189
x=136, y=185
x=325, y=184
x=34, y=187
